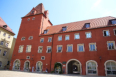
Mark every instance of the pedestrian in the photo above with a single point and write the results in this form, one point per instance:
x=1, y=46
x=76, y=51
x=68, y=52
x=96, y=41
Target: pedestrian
x=33, y=69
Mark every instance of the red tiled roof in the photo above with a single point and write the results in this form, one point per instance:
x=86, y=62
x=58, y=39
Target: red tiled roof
x=2, y=23
x=74, y=26
x=39, y=9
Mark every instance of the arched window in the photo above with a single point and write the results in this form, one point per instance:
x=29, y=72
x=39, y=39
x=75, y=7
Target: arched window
x=16, y=65
x=0, y=64
x=91, y=67
x=39, y=66
x=111, y=68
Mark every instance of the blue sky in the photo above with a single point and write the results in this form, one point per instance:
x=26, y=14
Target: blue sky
x=60, y=11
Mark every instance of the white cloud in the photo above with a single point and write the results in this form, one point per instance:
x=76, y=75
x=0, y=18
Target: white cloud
x=96, y=4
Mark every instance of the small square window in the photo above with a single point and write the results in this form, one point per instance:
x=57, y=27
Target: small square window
x=111, y=45
x=113, y=21
x=106, y=33
x=80, y=47
x=92, y=46
x=9, y=36
x=5, y=52
x=2, y=43
x=42, y=57
x=41, y=40
x=88, y=34
x=64, y=28
x=49, y=49
x=28, y=57
x=28, y=49
x=7, y=44
x=4, y=34
x=28, y=19
x=87, y=25
x=59, y=48
x=40, y=48
x=114, y=31
x=67, y=37
x=77, y=36
x=33, y=18
x=50, y=39
x=23, y=38
x=70, y=48
x=5, y=26
x=59, y=38
x=30, y=37
x=20, y=48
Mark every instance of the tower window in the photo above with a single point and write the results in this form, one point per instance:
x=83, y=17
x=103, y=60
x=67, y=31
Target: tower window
x=87, y=25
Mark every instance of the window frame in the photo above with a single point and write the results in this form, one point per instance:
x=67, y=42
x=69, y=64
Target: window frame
x=86, y=25
x=66, y=36
x=59, y=46
x=30, y=48
x=47, y=49
x=80, y=45
x=39, y=48
x=76, y=34
x=113, y=44
x=114, y=31
x=28, y=19
x=90, y=47
x=86, y=35
x=41, y=39
x=67, y=47
x=51, y=39
x=65, y=28
x=33, y=18
x=42, y=56
x=4, y=34
x=5, y=54
x=22, y=38
x=108, y=32
x=29, y=38
x=27, y=56
x=22, y=49
x=59, y=36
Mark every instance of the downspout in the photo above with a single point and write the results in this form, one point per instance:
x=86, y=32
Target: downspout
x=42, y=24
x=51, y=53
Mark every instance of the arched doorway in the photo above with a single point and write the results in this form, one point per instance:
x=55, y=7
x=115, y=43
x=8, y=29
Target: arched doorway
x=39, y=66
x=73, y=67
x=16, y=64
x=27, y=66
x=58, y=68
x=110, y=67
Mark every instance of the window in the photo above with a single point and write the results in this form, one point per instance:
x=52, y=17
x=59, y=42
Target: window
x=92, y=46
x=8, y=62
x=42, y=57
x=5, y=26
x=28, y=19
x=64, y=28
x=28, y=49
x=30, y=37
x=32, y=12
x=59, y=48
x=7, y=44
x=59, y=38
x=87, y=25
x=113, y=21
x=4, y=54
x=33, y=18
x=28, y=57
x=106, y=33
x=20, y=48
x=2, y=43
x=4, y=34
x=77, y=36
x=9, y=36
x=0, y=51
x=23, y=38
x=88, y=34
x=41, y=40
x=70, y=48
x=114, y=31
x=111, y=45
x=0, y=64
x=45, y=31
x=40, y=48
x=67, y=37
x=50, y=39
x=49, y=49
x=80, y=47
x=91, y=67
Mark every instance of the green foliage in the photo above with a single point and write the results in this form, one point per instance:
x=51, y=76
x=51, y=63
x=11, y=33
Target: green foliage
x=56, y=65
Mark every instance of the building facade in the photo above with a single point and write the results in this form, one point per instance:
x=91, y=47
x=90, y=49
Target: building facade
x=6, y=39
x=84, y=47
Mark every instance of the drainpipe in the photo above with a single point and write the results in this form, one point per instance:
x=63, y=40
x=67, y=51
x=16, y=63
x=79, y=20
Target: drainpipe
x=42, y=24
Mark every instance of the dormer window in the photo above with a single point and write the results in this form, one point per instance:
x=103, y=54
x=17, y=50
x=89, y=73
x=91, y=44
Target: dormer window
x=64, y=28
x=32, y=12
x=4, y=26
x=87, y=25
x=45, y=31
x=113, y=21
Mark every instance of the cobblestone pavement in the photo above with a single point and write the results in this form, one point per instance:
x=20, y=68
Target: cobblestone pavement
x=7, y=73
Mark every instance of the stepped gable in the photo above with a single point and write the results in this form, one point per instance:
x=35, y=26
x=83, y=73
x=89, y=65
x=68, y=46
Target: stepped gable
x=39, y=9
x=75, y=26
x=2, y=23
